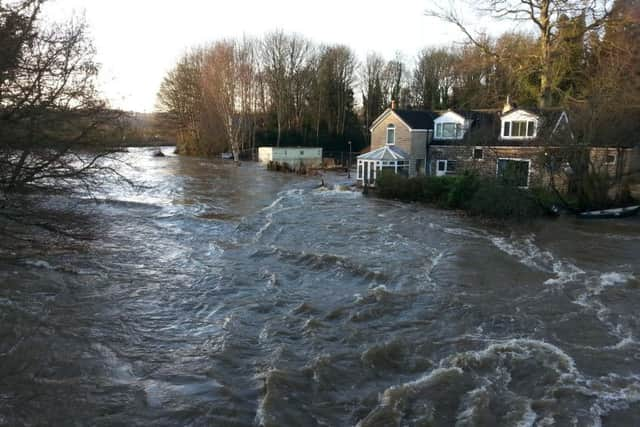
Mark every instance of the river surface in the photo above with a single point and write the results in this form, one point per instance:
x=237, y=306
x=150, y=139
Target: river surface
x=233, y=296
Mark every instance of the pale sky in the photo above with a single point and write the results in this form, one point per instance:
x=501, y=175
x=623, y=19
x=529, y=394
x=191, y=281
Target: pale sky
x=138, y=41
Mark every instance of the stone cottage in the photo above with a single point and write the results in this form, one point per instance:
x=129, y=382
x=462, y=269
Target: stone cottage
x=527, y=145
x=399, y=140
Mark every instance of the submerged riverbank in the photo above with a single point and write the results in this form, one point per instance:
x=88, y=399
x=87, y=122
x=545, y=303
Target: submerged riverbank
x=226, y=295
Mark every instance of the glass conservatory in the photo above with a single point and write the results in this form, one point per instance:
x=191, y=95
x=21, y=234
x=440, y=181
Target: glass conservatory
x=388, y=158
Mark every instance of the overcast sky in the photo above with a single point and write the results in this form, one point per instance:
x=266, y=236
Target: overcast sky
x=138, y=41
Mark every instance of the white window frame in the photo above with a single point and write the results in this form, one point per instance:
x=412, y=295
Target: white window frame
x=391, y=127
x=516, y=160
x=458, y=132
x=529, y=122
x=612, y=162
x=446, y=171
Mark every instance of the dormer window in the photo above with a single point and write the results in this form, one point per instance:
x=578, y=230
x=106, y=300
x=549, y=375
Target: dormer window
x=391, y=134
x=450, y=125
x=449, y=130
x=519, y=129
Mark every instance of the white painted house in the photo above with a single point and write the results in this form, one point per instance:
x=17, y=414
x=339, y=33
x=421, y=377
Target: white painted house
x=293, y=156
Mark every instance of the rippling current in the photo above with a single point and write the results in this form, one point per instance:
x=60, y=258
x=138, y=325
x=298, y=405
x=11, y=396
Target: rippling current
x=231, y=296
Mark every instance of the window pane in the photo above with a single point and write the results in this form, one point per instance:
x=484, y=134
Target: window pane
x=514, y=172
x=507, y=128
x=478, y=154
x=391, y=135
x=439, y=130
x=448, y=130
x=530, y=128
x=451, y=166
x=442, y=165
x=458, y=131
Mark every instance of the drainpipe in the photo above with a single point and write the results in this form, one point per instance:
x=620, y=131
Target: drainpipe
x=428, y=159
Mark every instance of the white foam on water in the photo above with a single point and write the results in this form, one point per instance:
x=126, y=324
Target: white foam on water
x=429, y=268
x=614, y=398
x=273, y=204
x=276, y=208
x=389, y=396
x=589, y=299
x=615, y=278
x=379, y=291
x=528, y=418
x=491, y=370
x=461, y=232
x=338, y=191
x=472, y=400
x=565, y=273
x=529, y=254
x=39, y=264
x=547, y=421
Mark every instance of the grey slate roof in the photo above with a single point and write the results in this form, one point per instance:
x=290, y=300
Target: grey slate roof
x=417, y=119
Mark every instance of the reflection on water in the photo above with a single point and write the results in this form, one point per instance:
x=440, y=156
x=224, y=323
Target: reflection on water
x=224, y=295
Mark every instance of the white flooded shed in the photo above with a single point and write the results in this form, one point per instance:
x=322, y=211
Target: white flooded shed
x=293, y=156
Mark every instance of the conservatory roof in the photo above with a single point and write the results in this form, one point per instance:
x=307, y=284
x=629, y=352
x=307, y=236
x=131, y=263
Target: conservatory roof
x=388, y=152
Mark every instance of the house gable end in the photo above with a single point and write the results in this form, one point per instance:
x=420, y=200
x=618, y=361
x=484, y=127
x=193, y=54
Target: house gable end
x=519, y=114
x=450, y=116
x=381, y=118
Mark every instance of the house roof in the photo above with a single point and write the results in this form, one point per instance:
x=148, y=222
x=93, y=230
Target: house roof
x=550, y=115
x=417, y=119
x=388, y=152
x=479, y=118
x=414, y=119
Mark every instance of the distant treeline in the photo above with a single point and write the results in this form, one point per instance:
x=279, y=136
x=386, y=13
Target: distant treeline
x=282, y=89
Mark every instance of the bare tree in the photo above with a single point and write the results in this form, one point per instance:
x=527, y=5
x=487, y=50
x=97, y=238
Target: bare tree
x=52, y=122
x=228, y=81
x=371, y=76
x=393, y=78
x=181, y=97
x=544, y=16
x=433, y=78
x=285, y=58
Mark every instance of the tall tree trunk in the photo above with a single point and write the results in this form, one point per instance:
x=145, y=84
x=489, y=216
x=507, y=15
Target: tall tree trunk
x=544, y=100
x=279, y=114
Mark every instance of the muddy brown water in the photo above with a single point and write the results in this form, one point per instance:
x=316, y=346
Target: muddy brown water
x=232, y=296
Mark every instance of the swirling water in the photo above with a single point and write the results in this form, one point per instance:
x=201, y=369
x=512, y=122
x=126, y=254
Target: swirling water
x=231, y=296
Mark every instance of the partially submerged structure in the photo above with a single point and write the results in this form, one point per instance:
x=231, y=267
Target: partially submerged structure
x=293, y=157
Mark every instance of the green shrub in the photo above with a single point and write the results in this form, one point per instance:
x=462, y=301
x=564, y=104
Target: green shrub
x=436, y=189
x=463, y=190
x=392, y=186
x=494, y=199
x=488, y=197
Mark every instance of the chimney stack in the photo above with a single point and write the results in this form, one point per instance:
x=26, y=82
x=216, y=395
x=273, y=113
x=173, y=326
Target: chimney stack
x=507, y=106
x=393, y=104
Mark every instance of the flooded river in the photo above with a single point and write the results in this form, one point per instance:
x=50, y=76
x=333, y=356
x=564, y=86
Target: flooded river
x=232, y=296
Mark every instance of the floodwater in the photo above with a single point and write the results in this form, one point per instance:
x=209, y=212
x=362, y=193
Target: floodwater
x=232, y=296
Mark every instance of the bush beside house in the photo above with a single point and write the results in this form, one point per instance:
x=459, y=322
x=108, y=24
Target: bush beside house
x=486, y=197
